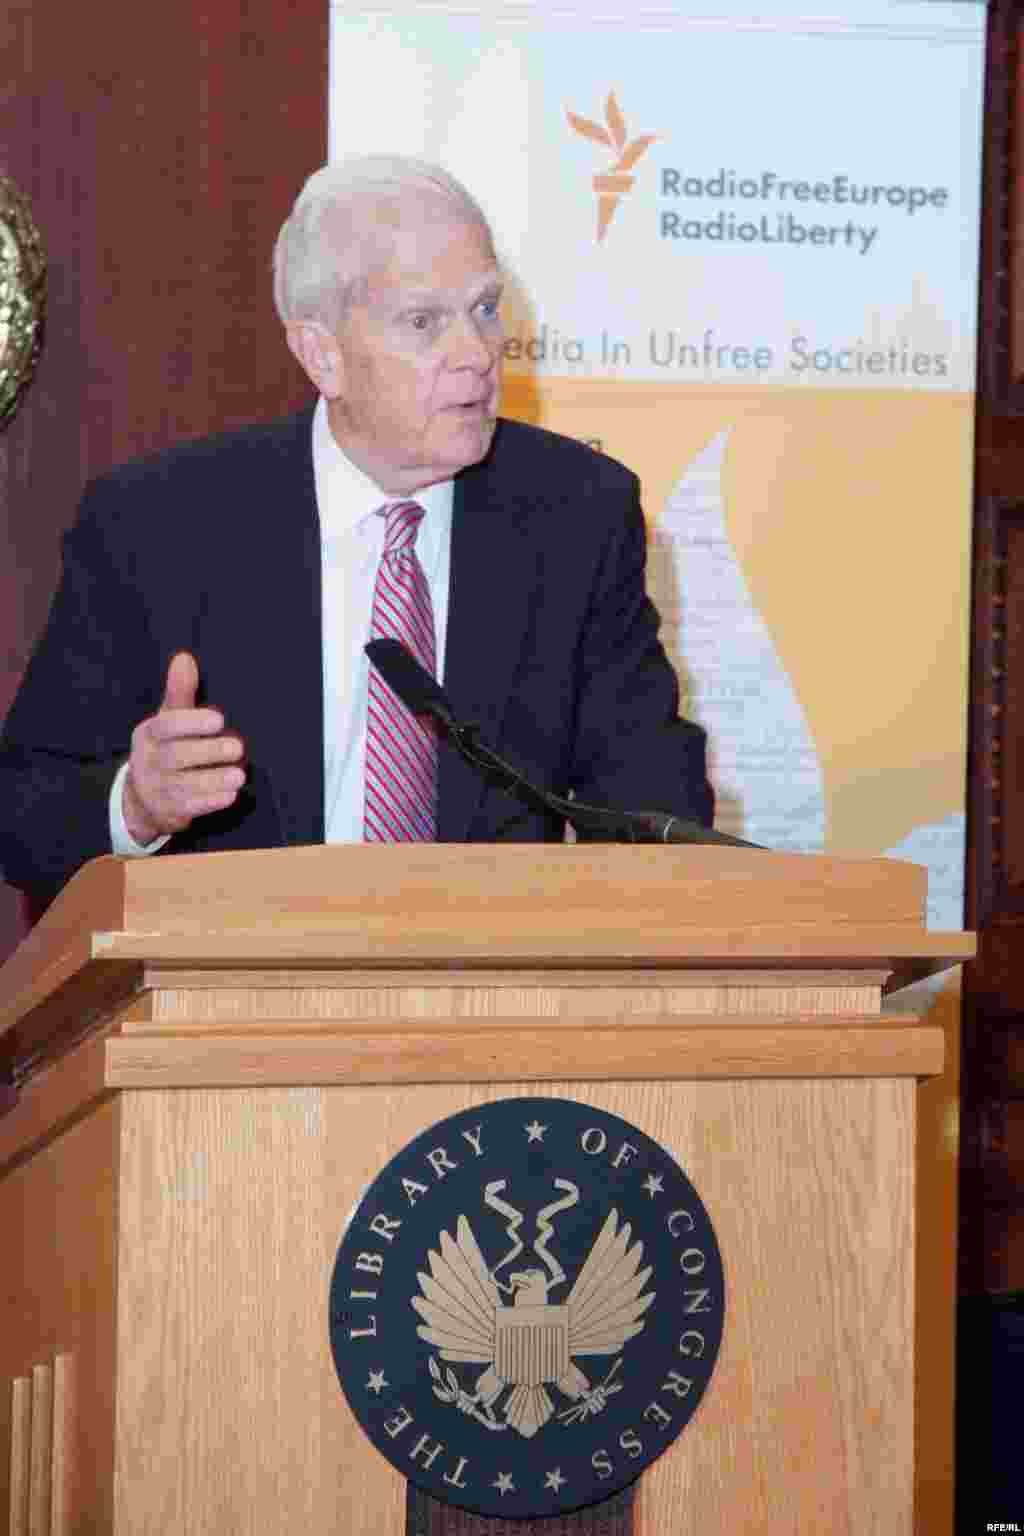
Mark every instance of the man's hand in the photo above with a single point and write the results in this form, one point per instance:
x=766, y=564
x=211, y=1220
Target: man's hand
x=182, y=765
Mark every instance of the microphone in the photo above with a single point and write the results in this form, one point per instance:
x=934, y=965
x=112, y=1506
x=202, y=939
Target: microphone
x=423, y=695
x=418, y=691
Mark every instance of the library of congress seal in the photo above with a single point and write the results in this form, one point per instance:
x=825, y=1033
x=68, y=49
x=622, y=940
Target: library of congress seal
x=527, y=1307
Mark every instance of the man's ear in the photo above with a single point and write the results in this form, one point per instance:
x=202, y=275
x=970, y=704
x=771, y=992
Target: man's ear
x=318, y=354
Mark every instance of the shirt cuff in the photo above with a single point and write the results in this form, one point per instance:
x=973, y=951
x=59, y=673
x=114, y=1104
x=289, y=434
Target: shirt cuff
x=121, y=840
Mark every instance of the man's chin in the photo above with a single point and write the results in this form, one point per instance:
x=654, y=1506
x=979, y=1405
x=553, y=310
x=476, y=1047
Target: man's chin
x=473, y=442
x=443, y=460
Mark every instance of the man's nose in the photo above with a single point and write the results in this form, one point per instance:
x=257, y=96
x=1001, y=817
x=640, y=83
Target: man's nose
x=471, y=348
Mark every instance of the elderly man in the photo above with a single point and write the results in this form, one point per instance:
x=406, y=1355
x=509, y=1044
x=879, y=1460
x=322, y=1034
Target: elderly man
x=202, y=684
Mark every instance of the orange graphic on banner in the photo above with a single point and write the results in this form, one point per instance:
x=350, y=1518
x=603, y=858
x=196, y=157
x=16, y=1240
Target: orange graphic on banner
x=614, y=183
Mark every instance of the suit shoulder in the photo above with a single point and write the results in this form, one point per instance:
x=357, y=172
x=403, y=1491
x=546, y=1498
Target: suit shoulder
x=265, y=439
x=206, y=481
x=521, y=450
x=221, y=452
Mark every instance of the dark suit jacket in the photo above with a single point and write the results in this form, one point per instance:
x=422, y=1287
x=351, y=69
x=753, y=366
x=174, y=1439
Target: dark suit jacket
x=214, y=548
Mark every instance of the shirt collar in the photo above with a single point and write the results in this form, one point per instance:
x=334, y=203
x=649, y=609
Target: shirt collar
x=345, y=495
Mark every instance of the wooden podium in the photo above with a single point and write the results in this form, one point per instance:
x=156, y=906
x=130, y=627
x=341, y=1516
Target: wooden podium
x=214, y=1055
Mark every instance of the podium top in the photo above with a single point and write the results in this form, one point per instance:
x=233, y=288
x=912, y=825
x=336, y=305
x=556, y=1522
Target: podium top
x=463, y=906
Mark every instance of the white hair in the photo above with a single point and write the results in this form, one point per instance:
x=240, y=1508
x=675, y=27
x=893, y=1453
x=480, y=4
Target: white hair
x=341, y=226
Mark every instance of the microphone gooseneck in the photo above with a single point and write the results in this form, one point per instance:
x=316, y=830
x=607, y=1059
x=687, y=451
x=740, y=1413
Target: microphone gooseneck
x=423, y=695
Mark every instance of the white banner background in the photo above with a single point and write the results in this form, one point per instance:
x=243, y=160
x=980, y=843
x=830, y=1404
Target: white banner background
x=810, y=559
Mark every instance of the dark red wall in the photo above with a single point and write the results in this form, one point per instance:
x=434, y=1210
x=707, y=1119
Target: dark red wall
x=161, y=147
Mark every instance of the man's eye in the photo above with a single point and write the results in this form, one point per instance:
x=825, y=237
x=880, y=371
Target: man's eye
x=420, y=322
x=489, y=308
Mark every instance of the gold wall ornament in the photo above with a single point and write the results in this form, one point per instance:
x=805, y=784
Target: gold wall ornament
x=22, y=297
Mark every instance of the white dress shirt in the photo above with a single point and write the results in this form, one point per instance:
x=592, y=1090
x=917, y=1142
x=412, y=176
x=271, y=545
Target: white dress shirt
x=351, y=545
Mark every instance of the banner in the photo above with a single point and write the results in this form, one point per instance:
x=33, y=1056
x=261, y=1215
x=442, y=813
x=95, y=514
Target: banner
x=741, y=256
x=741, y=253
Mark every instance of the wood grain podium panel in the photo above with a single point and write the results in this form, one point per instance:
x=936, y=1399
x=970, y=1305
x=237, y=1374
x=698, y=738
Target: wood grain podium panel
x=208, y=1000
x=503, y=1054
x=232, y=1207
x=463, y=909
x=509, y=887
x=212, y=1057
x=59, y=1268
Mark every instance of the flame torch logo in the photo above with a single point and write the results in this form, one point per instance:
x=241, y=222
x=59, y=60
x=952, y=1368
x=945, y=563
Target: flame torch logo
x=613, y=184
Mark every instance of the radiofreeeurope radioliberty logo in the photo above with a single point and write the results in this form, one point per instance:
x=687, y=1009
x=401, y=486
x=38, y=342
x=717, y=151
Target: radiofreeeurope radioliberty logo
x=722, y=205
x=770, y=207
x=612, y=185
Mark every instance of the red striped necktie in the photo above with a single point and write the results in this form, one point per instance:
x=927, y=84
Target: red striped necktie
x=401, y=748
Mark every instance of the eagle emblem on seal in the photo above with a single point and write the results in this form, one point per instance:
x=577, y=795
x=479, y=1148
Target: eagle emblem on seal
x=529, y=1342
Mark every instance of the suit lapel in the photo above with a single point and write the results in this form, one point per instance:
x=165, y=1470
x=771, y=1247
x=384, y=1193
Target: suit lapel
x=280, y=572
x=493, y=575
x=493, y=572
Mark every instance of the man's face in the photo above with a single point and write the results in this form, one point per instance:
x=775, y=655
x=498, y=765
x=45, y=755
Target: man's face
x=419, y=362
